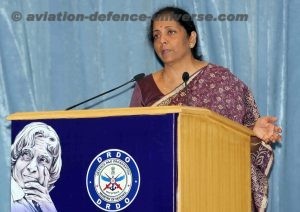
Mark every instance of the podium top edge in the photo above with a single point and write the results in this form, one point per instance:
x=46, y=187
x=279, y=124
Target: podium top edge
x=95, y=113
x=130, y=111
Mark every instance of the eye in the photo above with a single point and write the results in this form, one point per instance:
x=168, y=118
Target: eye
x=52, y=139
x=39, y=134
x=44, y=160
x=27, y=155
x=155, y=36
x=171, y=32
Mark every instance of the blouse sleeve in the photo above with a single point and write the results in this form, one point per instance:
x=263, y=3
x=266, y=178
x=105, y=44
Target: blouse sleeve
x=136, y=98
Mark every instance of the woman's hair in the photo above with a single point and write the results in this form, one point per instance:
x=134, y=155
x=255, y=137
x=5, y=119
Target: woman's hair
x=27, y=137
x=182, y=17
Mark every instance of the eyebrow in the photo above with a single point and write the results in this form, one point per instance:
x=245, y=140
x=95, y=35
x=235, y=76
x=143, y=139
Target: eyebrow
x=26, y=148
x=154, y=30
x=45, y=156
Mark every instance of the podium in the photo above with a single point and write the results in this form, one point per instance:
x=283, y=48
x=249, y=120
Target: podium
x=163, y=159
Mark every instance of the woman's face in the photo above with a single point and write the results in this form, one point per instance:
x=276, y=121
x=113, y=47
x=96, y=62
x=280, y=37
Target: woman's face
x=171, y=41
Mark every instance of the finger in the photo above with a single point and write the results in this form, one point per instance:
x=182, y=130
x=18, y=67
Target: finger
x=37, y=195
x=32, y=184
x=46, y=177
x=30, y=192
x=265, y=138
x=271, y=119
x=33, y=194
x=278, y=129
x=35, y=185
x=275, y=138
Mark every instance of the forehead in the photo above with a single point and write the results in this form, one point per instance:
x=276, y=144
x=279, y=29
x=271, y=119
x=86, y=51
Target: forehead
x=42, y=142
x=42, y=145
x=161, y=24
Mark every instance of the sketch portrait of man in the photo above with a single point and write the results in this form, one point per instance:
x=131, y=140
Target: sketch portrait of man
x=35, y=167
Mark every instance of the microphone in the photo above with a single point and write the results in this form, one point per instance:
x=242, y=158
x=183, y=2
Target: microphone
x=134, y=79
x=185, y=78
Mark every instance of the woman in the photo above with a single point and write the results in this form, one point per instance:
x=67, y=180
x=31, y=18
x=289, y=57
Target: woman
x=174, y=38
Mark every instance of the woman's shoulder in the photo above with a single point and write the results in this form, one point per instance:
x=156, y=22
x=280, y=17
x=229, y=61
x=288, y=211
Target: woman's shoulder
x=219, y=70
x=224, y=74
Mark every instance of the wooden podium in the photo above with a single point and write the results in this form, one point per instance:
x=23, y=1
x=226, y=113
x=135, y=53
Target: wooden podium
x=187, y=159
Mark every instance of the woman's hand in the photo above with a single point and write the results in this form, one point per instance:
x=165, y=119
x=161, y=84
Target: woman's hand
x=266, y=130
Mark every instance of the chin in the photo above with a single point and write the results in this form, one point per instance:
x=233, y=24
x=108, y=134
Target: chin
x=167, y=60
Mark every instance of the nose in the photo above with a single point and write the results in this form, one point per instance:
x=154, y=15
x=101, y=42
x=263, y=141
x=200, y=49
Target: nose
x=163, y=39
x=32, y=166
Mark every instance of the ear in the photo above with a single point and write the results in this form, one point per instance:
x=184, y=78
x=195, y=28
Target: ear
x=192, y=39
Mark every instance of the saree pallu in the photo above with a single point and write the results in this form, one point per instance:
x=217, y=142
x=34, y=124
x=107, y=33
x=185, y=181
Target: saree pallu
x=216, y=88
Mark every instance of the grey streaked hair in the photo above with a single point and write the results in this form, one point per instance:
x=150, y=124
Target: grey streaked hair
x=26, y=138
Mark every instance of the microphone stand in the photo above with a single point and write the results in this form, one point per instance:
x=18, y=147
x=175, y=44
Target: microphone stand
x=185, y=78
x=135, y=78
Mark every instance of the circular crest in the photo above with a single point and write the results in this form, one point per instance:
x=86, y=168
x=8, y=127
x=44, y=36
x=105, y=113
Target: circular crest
x=113, y=180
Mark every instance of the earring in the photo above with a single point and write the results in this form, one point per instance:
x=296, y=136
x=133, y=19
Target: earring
x=191, y=45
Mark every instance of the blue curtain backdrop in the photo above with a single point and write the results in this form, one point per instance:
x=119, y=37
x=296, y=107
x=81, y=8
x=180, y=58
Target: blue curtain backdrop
x=50, y=65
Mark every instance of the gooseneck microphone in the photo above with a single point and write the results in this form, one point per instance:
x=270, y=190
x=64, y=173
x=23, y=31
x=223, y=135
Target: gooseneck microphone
x=185, y=78
x=134, y=79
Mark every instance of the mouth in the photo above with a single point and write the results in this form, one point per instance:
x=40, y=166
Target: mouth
x=165, y=51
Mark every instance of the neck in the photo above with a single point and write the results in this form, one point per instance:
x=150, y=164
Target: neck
x=171, y=75
x=175, y=70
